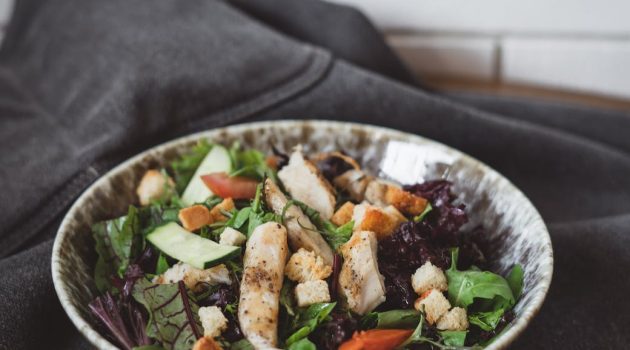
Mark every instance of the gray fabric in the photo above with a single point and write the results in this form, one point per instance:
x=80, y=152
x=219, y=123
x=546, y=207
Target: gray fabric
x=85, y=84
x=76, y=70
x=607, y=127
x=342, y=30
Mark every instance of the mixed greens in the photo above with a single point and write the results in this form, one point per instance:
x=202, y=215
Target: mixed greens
x=369, y=264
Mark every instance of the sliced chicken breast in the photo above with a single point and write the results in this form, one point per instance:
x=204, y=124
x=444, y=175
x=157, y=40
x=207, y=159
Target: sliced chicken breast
x=302, y=233
x=354, y=182
x=359, y=280
x=304, y=182
x=263, y=273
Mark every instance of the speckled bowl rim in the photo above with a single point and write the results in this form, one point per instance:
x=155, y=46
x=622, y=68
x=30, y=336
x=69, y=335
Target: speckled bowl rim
x=500, y=342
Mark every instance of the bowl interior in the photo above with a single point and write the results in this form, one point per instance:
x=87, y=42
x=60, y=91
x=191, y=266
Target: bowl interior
x=514, y=228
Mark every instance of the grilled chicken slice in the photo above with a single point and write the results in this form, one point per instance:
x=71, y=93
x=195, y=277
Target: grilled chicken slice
x=303, y=181
x=302, y=233
x=359, y=280
x=263, y=273
x=354, y=182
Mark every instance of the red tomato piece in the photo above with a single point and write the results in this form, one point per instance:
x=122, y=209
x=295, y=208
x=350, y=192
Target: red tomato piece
x=224, y=186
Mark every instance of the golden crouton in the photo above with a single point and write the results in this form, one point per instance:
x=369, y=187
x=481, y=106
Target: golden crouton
x=272, y=161
x=395, y=214
x=306, y=266
x=195, y=217
x=206, y=343
x=434, y=305
x=153, y=186
x=343, y=214
x=404, y=201
x=216, y=212
x=371, y=218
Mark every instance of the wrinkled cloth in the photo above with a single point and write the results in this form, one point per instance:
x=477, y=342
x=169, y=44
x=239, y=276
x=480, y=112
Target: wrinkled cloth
x=86, y=84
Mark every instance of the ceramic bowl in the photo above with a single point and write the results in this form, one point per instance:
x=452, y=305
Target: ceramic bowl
x=512, y=223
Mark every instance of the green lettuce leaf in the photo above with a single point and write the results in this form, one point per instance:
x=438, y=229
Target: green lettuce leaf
x=173, y=313
x=118, y=242
x=515, y=280
x=393, y=319
x=416, y=336
x=157, y=214
x=242, y=344
x=148, y=347
x=287, y=298
x=453, y=338
x=246, y=219
x=448, y=339
x=424, y=213
x=307, y=320
x=161, y=265
x=466, y=286
x=302, y=344
x=184, y=167
x=334, y=236
x=487, y=320
x=250, y=163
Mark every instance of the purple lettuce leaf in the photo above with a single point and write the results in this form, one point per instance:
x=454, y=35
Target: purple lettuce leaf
x=173, y=312
x=121, y=318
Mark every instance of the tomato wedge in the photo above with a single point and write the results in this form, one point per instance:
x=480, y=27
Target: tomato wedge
x=376, y=339
x=224, y=186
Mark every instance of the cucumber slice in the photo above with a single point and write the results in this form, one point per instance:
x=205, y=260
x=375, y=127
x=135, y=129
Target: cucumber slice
x=190, y=248
x=217, y=160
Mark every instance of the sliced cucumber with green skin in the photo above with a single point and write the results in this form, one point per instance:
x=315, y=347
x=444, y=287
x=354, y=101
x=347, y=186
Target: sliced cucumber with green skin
x=216, y=161
x=190, y=248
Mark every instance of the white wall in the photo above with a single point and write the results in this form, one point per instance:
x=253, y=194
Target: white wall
x=580, y=45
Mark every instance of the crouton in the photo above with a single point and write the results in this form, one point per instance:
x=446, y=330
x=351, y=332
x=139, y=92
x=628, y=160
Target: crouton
x=354, y=182
x=371, y=218
x=230, y=236
x=404, y=201
x=306, y=266
x=454, y=320
x=396, y=215
x=206, y=343
x=195, y=217
x=312, y=292
x=343, y=214
x=427, y=277
x=382, y=193
x=305, y=183
x=153, y=186
x=217, y=212
x=212, y=320
x=193, y=277
x=272, y=161
x=434, y=305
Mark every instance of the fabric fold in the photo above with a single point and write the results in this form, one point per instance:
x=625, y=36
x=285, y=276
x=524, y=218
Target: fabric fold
x=95, y=81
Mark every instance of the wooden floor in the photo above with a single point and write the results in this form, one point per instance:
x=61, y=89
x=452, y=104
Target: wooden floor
x=528, y=91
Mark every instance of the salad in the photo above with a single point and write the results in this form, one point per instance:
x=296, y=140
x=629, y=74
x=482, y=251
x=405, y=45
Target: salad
x=229, y=248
